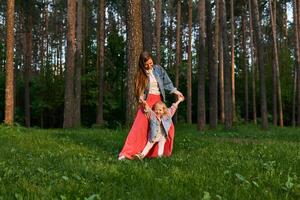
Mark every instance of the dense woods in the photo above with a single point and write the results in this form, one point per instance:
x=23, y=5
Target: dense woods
x=68, y=63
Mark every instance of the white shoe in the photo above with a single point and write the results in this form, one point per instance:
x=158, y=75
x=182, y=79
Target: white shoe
x=121, y=158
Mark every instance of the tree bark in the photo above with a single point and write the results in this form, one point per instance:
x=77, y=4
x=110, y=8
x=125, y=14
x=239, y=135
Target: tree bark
x=9, y=82
x=276, y=62
x=100, y=64
x=178, y=48
x=189, y=67
x=258, y=39
x=70, y=62
x=253, y=63
x=221, y=69
x=227, y=70
x=201, y=68
x=28, y=60
x=135, y=47
x=246, y=97
x=298, y=61
x=232, y=61
x=158, y=29
x=78, y=65
x=213, y=85
x=147, y=26
x=178, y=43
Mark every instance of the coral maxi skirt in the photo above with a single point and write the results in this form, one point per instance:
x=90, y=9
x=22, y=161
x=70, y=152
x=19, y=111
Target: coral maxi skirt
x=138, y=134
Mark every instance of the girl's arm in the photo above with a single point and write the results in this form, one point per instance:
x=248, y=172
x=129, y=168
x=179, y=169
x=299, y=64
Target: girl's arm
x=174, y=106
x=148, y=111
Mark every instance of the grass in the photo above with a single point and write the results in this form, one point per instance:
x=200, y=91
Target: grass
x=244, y=163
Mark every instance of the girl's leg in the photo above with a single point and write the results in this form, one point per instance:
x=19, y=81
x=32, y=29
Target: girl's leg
x=147, y=148
x=161, y=146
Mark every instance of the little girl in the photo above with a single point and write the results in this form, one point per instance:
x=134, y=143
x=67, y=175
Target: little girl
x=159, y=123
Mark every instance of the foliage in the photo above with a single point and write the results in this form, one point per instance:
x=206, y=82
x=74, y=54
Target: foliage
x=245, y=163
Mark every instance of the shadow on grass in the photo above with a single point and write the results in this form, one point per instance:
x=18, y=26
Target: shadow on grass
x=107, y=141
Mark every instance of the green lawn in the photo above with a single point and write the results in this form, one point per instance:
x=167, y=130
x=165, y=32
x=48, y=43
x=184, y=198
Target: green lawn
x=245, y=163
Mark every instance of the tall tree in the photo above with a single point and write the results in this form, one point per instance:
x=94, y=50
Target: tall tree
x=158, y=11
x=296, y=54
x=213, y=74
x=201, y=67
x=258, y=39
x=297, y=19
x=135, y=47
x=78, y=65
x=221, y=69
x=253, y=63
x=9, y=84
x=178, y=43
x=178, y=48
x=100, y=59
x=189, y=67
x=232, y=60
x=276, y=62
x=227, y=70
x=28, y=58
x=69, y=74
x=147, y=25
x=244, y=41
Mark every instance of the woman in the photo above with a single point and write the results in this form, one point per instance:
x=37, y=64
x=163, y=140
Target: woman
x=151, y=83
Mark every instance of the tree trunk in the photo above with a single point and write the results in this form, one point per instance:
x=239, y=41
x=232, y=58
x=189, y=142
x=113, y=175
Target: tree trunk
x=253, y=63
x=227, y=70
x=69, y=84
x=298, y=62
x=147, y=25
x=9, y=81
x=221, y=69
x=100, y=59
x=78, y=65
x=201, y=68
x=28, y=60
x=274, y=94
x=258, y=39
x=135, y=47
x=84, y=50
x=189, y=67
x=213, y=85
x=178, y=48
x=158, y=29
x=232, y=61
x=178, y=43
x=246, y=97
x=277, y=74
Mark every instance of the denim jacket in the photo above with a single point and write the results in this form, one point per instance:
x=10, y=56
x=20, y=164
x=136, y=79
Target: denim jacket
x=154, y=122
x=163, y=80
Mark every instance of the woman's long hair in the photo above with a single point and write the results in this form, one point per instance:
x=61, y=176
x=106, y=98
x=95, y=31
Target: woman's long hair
x=141, y=78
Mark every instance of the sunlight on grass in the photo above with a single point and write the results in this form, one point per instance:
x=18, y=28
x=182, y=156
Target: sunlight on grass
x=245, y=163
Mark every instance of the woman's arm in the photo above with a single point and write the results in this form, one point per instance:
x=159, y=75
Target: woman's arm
x=168, y=85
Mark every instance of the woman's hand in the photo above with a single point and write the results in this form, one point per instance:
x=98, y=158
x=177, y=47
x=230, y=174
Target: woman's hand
x=180, y=99
x=179, y=94
x=141, y=99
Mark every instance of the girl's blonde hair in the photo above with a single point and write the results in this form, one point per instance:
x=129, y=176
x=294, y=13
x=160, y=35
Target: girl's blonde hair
x=163, y=105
